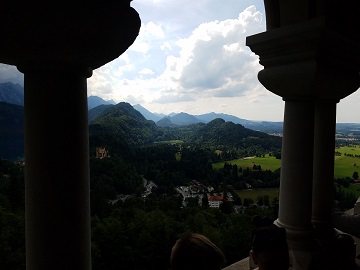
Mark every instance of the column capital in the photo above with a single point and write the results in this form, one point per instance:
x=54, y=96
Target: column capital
x=307, y=60
x=62, y=67
x=89, y=35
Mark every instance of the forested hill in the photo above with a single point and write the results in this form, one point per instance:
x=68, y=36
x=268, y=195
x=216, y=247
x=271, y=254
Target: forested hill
x=227, y=134
x=123, y=126
x=123, y=120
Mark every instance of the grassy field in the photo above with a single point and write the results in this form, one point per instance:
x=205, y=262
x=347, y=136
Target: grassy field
x=255, y=193
x=345, y=166
x=267, y=163
x=274, y=192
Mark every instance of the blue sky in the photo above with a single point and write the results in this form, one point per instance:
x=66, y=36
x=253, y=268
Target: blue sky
x=190, y=56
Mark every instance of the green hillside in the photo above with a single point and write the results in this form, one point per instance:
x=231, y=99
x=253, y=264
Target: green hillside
x=218, y=132
x=122, y=119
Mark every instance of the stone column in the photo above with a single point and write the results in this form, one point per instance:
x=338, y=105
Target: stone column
x=308, y=64
x=57, y=169
x=323, y=175
x=296, y=179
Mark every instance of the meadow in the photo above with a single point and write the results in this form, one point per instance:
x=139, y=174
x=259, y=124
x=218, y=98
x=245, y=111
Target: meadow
x=254, y=194
x=345, y=165
x=267, y=163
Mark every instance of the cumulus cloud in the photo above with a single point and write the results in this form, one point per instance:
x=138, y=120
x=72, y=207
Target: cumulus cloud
x=214, y=60
x=206, y=68
x=149, y=33
x=166, y=46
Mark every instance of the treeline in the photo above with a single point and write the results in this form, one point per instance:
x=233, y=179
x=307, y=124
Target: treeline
x=241, y=178
x=351, y=155
x=344, y=199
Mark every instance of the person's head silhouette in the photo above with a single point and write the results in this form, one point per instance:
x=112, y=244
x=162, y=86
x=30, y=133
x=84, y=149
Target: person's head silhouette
x=269, y=248
x=195, y=251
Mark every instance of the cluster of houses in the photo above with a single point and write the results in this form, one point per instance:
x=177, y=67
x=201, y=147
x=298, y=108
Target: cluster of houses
x=194, y=190
x=197, y=190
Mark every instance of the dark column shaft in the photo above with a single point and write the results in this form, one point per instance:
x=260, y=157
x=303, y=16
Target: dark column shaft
x=324, y=145
x=57, y=171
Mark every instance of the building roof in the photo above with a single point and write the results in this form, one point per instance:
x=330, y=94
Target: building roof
x=215, y=198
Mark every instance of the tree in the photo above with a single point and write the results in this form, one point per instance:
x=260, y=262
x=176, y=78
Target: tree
x=246, y=202
x=205, y=200
x=266, y=200
x=226, y=207
x=192, y=201
x=355, y=175
x=275, y=207
x=260, y=200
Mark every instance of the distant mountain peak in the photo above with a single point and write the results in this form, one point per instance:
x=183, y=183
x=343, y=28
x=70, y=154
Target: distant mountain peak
x=94, y=101
x=146, y=113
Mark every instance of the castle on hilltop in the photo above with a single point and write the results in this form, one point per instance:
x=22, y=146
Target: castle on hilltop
x=101, y=152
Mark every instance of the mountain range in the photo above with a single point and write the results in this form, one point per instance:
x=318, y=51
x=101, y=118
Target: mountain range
x=121, y=126
x=14, y=94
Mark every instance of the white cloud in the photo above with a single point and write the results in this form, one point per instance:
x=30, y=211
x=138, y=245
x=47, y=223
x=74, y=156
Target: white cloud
x=211, y=62
x=166, y=46
x=214, y=59
x=149, y=33
x=134, y=100
x=348, y=109
x=146, y=71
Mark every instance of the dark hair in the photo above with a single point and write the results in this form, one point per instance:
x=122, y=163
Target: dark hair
x=195, y=251
x=270, y=236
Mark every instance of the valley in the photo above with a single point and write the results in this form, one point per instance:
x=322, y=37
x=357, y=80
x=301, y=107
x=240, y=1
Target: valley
x=211, y=175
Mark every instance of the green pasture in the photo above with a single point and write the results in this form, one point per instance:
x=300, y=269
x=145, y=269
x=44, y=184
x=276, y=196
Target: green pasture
x=345, y=166
x=255, y=193
x=267, y=163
